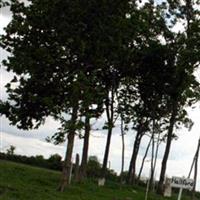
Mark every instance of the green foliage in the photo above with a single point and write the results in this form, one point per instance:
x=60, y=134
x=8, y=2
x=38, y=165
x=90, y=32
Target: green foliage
x=93, y=167
x=53, y=162
x=94, y=170
x=11, y=150
x=55, y=158
x=55, y=68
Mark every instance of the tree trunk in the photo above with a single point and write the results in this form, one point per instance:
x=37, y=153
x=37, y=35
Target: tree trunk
x=65, y=179
x=110, y=115
x=143, y=160
x=66, y=172
x=167, y=148
x=153, y=162
x=105, y=160
x=195, y=177
x=195, y=170
x=123, y=150
x=132, y=167
x=155, y=158
x=152, y=157
x=83, y=168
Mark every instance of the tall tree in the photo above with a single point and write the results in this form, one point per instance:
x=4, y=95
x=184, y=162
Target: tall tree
x=52, y=46
x=150, y=71
x=91, y=96
x=143, y=160
x=184, y=87
x=123, y=149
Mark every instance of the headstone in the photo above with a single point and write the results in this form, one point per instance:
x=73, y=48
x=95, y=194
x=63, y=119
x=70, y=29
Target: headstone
x=101, y=181
x=128, y=198
x=144, y=179
x=134, y=191
x=168, y=189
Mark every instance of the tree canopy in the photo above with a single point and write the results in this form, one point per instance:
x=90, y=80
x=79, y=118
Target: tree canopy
x=74, y=59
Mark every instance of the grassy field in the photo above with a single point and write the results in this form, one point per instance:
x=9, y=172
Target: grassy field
x=22, y=182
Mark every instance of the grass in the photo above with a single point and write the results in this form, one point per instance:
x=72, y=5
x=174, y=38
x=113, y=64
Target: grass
x=23, y=182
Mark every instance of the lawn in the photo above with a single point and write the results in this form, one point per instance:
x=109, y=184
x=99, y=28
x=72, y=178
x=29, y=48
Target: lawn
x=23, y=182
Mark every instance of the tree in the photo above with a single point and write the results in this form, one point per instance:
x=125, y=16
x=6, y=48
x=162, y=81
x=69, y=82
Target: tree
x=53, y=46
x=93, y=167
x=156, y=139
x=83, y=168
x=110, y=111
x=11, y=150
x=123, y=149
x=89, y=113
x=145, y=91
x=143, y=160
x=184, y=87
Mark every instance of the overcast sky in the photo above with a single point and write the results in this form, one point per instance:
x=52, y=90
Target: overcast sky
x=33, y=142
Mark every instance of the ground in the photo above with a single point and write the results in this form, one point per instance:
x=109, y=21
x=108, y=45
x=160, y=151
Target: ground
x=23, y=182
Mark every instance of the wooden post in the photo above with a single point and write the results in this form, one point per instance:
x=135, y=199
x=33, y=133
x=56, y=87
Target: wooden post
x=195, y=170
x=195, y=166
x=180, y=193
x=147, y=188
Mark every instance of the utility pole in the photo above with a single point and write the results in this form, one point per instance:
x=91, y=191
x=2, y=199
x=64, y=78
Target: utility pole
x=195, y=166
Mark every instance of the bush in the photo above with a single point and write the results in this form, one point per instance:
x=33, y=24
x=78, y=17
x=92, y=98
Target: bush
x=93, y=167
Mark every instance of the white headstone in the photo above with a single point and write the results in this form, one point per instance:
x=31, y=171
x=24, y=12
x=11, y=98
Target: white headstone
x=168, y=189
x=101, y=181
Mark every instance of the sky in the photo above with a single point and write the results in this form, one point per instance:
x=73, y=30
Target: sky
x=33, y=142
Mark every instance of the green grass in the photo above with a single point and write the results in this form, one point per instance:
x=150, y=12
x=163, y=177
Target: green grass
x=22, y=182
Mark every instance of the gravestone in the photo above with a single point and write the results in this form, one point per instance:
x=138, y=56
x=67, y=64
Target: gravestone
x=168, y=188
x=101, y=181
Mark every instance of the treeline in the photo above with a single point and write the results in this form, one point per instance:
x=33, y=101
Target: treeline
x=55, y=162
x=78, y=60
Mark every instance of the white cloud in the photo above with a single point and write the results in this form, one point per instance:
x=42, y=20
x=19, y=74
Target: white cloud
x=4, y=20
x=29, y=146
x=48, y=129
x=179, y=26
